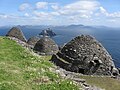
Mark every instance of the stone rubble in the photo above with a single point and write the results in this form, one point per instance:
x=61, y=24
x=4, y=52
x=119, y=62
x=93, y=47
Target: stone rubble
x=23, y=44
x=75, y=77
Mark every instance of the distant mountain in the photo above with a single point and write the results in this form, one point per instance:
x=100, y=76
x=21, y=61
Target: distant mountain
x=73, y=25
x=64, y=27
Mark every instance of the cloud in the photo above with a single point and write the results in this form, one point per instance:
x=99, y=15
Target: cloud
x=45, y=15
x=26, y=15
x=83, y=5
x=112, y=20
x=41, y=5
x=107, y=14
x=42, y=15
x=80, y=7
x=54, y=13
x=3, y=16
x=115, y=15
x=85, y=11
x=55, y=6
x=73, y=11
x=102, y=10
x=24, y=6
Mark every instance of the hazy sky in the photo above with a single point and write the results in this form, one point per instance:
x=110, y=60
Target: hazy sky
x=60, y=12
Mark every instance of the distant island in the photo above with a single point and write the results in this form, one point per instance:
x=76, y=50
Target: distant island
x=47, y=32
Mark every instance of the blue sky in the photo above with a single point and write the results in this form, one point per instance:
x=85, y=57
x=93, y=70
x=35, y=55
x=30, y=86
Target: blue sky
x=60, y=12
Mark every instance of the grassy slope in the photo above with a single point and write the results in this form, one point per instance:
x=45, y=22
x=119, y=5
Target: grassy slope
x=106, y=83
x=20, y=70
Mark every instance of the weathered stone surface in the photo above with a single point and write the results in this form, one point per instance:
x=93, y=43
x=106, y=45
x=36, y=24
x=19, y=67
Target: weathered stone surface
x=47, y=32
x=17, y=33
x=22, y=43
x=84, y=54
x=46, y=46
x=33, y=40
x=75, y=77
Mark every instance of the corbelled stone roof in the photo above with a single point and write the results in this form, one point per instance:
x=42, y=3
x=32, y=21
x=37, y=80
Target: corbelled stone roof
x=46, y=46
x=17, y=33
x=86, y=55
x=33, y=40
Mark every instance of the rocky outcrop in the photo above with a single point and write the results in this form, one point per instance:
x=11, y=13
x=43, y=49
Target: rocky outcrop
x=32, y=41
x=84, y=54
x=17, y=33
x=46, y=46
x=21, y=43
x=75, y=77
x=47, y=32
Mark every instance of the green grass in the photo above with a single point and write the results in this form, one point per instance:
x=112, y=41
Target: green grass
x=106, y=83
x=20, y=70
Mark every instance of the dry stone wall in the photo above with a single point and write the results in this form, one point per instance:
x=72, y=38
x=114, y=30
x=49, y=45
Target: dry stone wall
x=86, y=55
x=46, y=46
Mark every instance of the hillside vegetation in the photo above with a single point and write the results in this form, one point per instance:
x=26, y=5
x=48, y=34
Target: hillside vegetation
x=106, y=83
x=21, y=70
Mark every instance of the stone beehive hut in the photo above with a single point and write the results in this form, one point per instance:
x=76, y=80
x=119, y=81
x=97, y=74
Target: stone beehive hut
x=46, y=46
x=33, y=40
x=84, y=54
x=17, y=33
